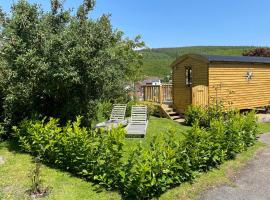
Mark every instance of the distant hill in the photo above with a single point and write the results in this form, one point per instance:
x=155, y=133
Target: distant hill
x=157, y=61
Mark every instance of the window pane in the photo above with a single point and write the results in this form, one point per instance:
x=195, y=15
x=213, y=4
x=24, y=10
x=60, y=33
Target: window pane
x=188, y=76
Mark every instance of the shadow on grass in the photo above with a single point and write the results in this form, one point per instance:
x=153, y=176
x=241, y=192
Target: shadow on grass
x=13, y=146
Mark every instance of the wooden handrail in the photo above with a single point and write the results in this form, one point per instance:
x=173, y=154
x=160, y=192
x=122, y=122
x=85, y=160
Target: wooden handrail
x=157, y=93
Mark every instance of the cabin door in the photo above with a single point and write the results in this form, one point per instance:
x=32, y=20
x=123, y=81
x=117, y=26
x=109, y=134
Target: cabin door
x=200, y=95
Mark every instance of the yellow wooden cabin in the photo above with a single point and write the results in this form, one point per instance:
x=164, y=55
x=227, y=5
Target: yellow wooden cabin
x=241, y=82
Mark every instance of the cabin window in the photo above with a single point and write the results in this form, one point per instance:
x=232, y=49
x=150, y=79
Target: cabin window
x=188, y=76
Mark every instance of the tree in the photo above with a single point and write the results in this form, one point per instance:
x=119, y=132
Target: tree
x=60, y=65
x=261, y=52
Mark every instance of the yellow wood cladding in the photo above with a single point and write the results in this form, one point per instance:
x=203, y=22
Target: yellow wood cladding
x=200, y=95
x=228, y=82
x=182, y=94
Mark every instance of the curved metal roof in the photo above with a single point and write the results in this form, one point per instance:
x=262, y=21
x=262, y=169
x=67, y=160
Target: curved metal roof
x=247, y=59
x=218, y=58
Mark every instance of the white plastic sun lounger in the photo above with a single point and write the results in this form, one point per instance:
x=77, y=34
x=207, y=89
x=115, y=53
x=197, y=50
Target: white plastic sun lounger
x=117, y=117
x=138, y=122
x=118, y=112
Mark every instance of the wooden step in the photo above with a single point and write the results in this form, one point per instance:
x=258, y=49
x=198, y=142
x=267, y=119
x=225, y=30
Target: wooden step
x=173, y=113
x=181, y=120
x=175, y=117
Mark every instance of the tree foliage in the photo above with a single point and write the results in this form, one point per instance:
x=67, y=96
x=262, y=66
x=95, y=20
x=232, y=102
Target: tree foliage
x=58, y=64
x=261, y=52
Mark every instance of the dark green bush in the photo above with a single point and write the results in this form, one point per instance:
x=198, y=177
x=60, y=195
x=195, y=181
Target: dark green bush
x=150, y=169
x=60, y=64
x=3, y=132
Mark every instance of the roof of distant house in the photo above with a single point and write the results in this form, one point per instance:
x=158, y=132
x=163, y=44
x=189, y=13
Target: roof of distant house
x=151, y=80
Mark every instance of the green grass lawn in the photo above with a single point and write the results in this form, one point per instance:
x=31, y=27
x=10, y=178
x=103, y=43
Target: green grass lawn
x=156, y=126
x=15, y=181
x=14, y=173
x=264, y=127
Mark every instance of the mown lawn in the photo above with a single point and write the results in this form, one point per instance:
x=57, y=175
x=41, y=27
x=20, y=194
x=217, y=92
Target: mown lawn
x=14, y=173
x=15, y=181
x=156, y=126
x=264, y=127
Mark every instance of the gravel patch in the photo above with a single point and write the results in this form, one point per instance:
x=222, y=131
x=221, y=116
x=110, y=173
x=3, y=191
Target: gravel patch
x=263, y=117
x=252, y=183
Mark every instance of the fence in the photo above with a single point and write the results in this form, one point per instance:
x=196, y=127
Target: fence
x=158, y=93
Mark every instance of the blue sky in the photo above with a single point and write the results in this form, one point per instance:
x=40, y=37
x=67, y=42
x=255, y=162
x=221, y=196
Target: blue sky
x=172, y=23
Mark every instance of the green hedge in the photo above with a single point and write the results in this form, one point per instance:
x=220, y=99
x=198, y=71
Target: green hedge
x=203, y=115
x=94, y=155
x=150, y=170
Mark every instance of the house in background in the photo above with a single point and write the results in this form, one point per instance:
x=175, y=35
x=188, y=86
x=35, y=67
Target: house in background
x=151, y=81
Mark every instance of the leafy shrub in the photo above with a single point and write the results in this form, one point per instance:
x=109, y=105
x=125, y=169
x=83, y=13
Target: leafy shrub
x=150, y=169
x=167, y=161
x=250, y=128
x=205, y=146
x=196, y=113
x=94, y=155
x=153, y=109
x=202, y=115
x=153, y=170
x=222, y=140
x=241, y=131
